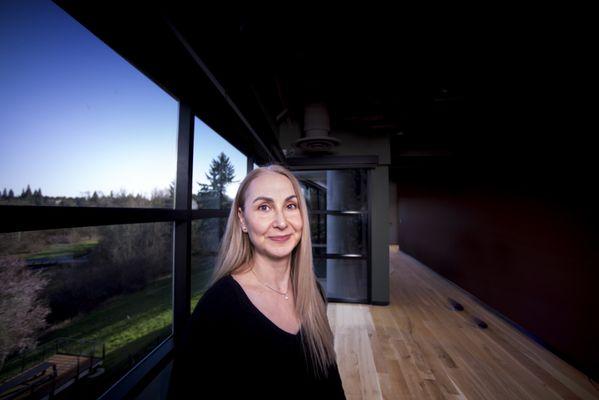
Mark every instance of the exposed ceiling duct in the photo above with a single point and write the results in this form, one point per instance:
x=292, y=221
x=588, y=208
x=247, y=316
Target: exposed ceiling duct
x=317, y=125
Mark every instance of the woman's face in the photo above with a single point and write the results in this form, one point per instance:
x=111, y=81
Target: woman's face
x=271, y=215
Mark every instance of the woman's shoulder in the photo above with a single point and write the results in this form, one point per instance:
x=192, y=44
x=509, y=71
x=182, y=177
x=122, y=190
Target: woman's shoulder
x=219, y=294
x=217, y=299
x=221, y=287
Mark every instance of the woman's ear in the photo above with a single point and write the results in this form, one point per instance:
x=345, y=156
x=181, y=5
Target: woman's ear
x=240, y=216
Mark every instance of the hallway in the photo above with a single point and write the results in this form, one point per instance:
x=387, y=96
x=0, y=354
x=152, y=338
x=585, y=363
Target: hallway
x=419, y=347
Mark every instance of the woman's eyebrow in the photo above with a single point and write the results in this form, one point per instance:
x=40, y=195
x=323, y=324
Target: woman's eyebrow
x=271, y=200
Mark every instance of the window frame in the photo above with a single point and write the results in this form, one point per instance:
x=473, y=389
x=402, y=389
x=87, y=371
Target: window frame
x=32, y=218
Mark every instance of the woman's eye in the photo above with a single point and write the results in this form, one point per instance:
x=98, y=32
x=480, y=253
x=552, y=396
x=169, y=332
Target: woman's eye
x=265, y=207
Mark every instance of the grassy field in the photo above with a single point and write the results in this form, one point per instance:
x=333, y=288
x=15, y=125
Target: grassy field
x=68, y=249
x=127, y=325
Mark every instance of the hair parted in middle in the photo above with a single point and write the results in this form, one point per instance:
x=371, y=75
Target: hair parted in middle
x=236, y=253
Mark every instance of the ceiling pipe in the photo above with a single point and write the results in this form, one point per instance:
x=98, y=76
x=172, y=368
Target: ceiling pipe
x=317, y=125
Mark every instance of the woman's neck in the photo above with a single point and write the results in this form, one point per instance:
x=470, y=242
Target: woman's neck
x=273, y=272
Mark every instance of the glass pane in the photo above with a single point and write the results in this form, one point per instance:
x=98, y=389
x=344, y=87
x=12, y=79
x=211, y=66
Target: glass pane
x=205, y=240
x=336, y=190
x=100, y=295
x=320, y=269
x=338, y=234
x=79, y=126
x=345, y=279
x=218, y=168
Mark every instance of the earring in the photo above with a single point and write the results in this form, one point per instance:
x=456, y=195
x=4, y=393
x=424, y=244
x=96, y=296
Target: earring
x=244, y=229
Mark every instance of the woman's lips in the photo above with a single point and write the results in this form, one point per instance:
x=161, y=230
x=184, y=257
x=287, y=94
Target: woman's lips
x=280, y=238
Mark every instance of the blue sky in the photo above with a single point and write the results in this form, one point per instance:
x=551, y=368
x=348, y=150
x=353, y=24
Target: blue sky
x=76, y=117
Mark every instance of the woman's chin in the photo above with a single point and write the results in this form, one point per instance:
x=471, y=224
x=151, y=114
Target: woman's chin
x=280, y=252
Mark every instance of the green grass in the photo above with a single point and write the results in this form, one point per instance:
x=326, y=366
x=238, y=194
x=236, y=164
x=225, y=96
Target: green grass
x=59, y=250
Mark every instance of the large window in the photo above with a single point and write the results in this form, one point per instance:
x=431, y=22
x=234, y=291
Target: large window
x=80, y=129
x=79, y=126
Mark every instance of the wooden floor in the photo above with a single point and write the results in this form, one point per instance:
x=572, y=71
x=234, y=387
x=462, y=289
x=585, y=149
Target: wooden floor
x=418, y=347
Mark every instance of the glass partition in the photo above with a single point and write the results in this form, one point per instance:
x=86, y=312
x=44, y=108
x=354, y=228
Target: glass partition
x=338, y=208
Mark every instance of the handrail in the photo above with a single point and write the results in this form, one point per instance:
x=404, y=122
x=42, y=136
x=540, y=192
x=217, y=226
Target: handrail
x=8, y=388
x=60, y=346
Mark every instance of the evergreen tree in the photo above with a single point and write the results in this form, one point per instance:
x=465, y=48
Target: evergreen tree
x=11, y=194
x=4, y=194
x=37, y=197
x=27, y=192
x=221, y=173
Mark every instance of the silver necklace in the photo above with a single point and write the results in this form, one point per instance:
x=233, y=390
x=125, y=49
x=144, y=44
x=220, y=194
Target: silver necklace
x=271, y=288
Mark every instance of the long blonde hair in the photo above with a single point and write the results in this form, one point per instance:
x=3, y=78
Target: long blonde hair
x=236, y=250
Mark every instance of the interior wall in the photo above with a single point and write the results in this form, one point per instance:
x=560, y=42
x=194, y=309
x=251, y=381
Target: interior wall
x=526, y=248
x=379, y=232
x=393, y=214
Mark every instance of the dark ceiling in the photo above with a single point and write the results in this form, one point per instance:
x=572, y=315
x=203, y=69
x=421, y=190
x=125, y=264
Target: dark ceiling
x=449, y=84
x=376, y=76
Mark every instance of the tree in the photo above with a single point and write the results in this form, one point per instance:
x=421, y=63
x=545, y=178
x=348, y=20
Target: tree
x=11, y=194
x=171, y=191
x=127, y=258
x=205, y=196
x=220, y=175
x=4, y=194
x=27, y=193
x=22, y=313
x=38, y=199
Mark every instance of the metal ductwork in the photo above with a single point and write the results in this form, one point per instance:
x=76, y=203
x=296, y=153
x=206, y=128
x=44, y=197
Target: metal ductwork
x=317, y=125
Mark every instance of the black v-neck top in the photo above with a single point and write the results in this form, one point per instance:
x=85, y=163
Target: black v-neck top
x=230, y=349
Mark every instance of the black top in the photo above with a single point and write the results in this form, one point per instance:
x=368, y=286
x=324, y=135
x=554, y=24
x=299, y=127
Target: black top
x=232, y=350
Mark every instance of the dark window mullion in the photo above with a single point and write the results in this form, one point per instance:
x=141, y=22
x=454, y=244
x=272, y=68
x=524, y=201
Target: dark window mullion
x=182, y=228
x=210, y=213
x=31, y=218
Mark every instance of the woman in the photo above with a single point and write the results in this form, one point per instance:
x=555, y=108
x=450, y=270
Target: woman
x=261, y=328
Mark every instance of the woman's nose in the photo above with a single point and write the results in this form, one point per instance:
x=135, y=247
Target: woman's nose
x=280, y=220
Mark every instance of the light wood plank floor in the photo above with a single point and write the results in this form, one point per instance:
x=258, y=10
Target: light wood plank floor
x=418, y=347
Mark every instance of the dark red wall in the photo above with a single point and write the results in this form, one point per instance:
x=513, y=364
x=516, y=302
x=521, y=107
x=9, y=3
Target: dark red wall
x=526, y=247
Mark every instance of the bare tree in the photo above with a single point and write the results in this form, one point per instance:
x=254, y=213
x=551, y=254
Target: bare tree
x=22, y=313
